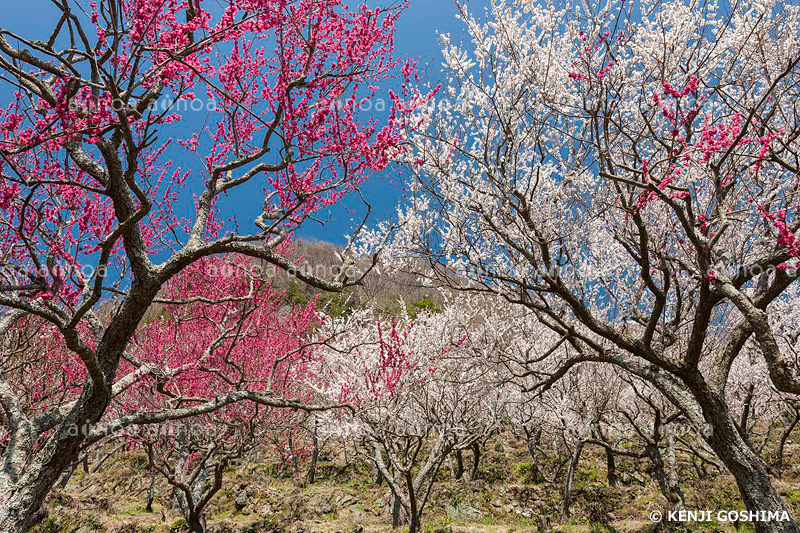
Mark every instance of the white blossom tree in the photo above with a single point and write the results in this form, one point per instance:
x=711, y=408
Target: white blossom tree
x=420, y=392
x=628, y=172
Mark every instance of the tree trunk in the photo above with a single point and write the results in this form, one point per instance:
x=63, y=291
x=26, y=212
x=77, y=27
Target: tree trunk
x=68, y=475
x=782, y=446
x=745, y=419
x=23, y=487
x=151, y=492
x=312, y=467
x=414, y=512
x=13, y=505
x=746, y=466
x=476, y=460
x=753, y=480
x=573, y=465
x=195, y=523
x=311, y=476
x=414, y=525
x=396, y=508
x=666, y=480
x=534, y=437
x=295, y=464
x=459, y=465
x=611, y=467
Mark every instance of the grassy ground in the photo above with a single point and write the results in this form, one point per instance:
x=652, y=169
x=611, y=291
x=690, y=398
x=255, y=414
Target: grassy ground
x=503, y=498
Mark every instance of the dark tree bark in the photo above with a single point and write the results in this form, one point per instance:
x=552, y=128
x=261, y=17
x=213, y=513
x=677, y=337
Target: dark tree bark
x=195, y=523
x=414, y=512
x=476, y=460
x=785, y=437
x=667, y=482
x=396, y=510
x=411, y=487
x=611, y=467
x=744, y=421
x=459, y=465
x=67, y=476
x=746, y=466
x=151, y=493
x=569, y=477
x=312, y=467
x=533, y=439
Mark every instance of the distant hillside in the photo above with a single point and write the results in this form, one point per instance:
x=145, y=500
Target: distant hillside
x=381, y=291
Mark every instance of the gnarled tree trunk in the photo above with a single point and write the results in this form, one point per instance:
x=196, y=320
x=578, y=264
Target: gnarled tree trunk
x=664, y=473
x=746, y=466
x=23, y=487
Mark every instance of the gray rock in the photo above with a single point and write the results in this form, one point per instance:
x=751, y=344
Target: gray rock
x=265, y=510
x=242, y=499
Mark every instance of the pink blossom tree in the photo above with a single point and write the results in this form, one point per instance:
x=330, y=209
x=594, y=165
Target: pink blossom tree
x=221, y=357
x=90, y=191
x=235, y=335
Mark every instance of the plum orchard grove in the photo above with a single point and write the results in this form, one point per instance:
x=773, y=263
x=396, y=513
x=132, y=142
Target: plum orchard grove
x=602, y=197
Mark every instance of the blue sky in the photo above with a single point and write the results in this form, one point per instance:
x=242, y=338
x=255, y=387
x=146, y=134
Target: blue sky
x=417, y=37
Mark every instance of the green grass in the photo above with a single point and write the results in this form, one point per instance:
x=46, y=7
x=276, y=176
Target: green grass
x=792, y=496
x=179, y=526
x=505, y=478
x=49, y=524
